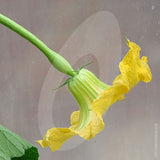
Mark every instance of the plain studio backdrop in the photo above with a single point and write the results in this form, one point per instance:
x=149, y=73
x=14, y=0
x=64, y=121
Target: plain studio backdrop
x=82, y=31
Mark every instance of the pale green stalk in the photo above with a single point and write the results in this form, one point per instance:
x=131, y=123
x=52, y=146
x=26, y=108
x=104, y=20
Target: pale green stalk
x=56, y=60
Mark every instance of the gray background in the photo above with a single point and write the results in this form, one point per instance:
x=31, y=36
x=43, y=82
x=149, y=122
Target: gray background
x=81, y=31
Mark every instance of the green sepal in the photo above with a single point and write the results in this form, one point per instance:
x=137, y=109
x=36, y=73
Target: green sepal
x=66, y=82
x=83, y=67
x=69, y=79
x=14, y=147
x=86, y=65
x=127, y=39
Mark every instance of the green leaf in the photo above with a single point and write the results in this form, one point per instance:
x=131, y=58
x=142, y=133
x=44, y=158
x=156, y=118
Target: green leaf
x=14, y=147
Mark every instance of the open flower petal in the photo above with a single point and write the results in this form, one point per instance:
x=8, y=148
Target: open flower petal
x=75, y=116
x=133, y=69
x=108, y=97
x=95, y=126
x=55, y=137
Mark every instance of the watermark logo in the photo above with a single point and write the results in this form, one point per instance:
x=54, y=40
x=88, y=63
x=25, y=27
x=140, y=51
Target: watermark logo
x=156, y=140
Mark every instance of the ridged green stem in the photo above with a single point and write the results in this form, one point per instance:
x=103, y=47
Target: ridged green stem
x=56, y=60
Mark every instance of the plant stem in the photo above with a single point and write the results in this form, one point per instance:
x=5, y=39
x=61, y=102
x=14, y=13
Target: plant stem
x=57, y=61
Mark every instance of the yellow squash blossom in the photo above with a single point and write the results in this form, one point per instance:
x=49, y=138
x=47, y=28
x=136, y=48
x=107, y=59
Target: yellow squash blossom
x=94, y=98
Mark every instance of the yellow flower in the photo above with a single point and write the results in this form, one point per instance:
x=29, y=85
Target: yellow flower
x=94, y=98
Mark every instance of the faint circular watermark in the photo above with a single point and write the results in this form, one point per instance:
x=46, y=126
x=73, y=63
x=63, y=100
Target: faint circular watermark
x=98, y=35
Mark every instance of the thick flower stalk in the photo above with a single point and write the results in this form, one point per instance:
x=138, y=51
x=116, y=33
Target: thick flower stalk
x=56, y=60
x=94, y=98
